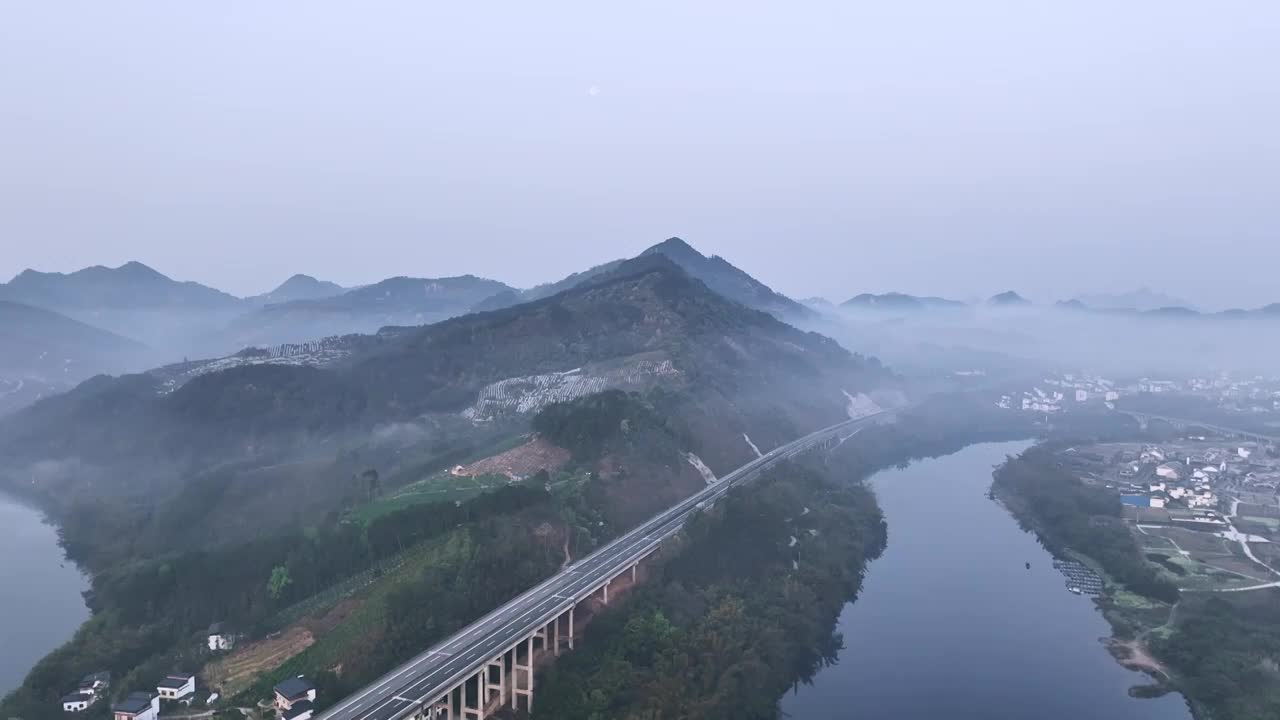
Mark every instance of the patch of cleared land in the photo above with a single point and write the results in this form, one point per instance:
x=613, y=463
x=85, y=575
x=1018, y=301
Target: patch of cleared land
x=519, y=462
x=444, y=486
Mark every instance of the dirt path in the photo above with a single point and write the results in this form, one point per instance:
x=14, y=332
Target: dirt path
x=1133, y=654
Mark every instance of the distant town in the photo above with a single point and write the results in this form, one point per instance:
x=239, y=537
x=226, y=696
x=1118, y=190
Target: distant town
x=1052, y=395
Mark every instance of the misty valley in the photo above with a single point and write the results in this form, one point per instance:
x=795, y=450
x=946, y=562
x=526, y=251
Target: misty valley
x=675, y=361
x=333, y=507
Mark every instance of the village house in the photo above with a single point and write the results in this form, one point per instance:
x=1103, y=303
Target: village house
x=221, y=637
x=92, y=687
x=137, y=706
x=177, y=687
x=301, y=710
x=78, y=701
x=292, y=692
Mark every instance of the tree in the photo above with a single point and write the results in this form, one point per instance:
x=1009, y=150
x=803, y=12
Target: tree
x=375, y=487
x=279, y=581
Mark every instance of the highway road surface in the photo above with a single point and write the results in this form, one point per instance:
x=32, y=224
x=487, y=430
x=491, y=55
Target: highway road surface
x=431, y=674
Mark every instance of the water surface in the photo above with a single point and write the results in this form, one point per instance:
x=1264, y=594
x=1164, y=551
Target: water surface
x=40, y=591
x=951, y=623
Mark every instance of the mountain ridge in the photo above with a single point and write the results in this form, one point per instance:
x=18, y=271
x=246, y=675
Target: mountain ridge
x=717, y=273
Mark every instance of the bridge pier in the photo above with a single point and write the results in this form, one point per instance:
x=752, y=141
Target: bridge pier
x=517, y=669
x=468, y=712
x=500, y=663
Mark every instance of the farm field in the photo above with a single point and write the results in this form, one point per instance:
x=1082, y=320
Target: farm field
x=1199, y=561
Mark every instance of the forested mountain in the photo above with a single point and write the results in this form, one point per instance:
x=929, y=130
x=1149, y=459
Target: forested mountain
x=716, y=272
x=38, y=341
x=173, y=318
x=43, y=352
x=132, y=286
x=647, y=323
x=723, y=277
x=299, y=287
x=394, y=301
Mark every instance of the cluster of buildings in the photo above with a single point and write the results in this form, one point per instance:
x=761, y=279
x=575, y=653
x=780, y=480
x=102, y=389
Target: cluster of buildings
x=1154, y=477
x=145, y=705
x=1063, y=391
x=1254, y=394
x=1238, y=394
x=91, y=689
x=293, y=699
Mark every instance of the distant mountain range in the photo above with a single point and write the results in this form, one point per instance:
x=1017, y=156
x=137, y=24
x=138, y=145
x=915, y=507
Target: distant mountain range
x=178, y=320
x=1141, y=300
x=395, y=301
x=645, y=322
x=132, y=286
x=897, y=301
x=1136, y=304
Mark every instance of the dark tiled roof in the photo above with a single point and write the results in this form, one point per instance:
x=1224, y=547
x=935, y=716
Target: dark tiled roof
x=77, y=697
x=297, y=709
x=294, y=687
x=175, y=681
x=134, y=704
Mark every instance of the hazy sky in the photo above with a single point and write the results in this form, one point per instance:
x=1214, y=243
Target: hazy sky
x=954, y=148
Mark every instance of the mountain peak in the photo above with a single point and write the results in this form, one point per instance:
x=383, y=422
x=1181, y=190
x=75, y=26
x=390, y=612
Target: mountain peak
x=133, y=267
x=300, y=287
x=676, y=247
x=26, y=276
x=726, y=279
x=1008, y=297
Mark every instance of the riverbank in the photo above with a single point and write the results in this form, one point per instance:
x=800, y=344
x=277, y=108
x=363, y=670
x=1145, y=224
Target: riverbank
x=1219, y=649
x=974, y=607
x=41, y=598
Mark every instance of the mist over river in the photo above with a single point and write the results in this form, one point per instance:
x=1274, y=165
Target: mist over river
x=951, y=623
x=40, y=591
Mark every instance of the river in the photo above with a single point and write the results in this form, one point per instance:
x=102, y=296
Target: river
x=950, y=623
x=41, y=605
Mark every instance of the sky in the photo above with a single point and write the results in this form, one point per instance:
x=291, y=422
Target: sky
x=829, y=148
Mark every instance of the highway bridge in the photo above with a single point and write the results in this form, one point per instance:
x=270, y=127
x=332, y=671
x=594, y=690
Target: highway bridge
x=1184, y=423
x=491, y=661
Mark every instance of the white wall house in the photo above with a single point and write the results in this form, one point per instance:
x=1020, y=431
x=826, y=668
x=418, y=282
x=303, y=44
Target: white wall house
x=78, y=701
x=221, y=638
x=138, y=706
x=301, y=710
x=176, y=687
x=294, y=691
